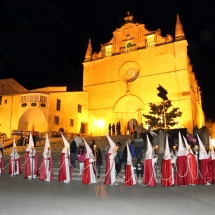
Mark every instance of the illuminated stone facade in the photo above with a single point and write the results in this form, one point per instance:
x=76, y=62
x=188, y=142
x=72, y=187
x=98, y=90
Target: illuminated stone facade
x=122, y=78
x=119, y=83
x=46, y=109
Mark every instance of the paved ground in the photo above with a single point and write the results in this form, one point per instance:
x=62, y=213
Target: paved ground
x=22, y=196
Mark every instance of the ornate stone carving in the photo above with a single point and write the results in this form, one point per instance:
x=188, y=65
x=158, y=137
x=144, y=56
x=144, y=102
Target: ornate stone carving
x=129, y=71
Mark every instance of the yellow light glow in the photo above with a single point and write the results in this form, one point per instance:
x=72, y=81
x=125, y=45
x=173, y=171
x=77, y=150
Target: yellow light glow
x=174, y=148
x=100, y=123
x=213, y=142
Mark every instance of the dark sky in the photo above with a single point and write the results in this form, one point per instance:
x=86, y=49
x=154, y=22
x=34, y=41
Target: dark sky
x=44, y=42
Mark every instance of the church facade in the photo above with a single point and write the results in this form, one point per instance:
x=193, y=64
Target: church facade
x=119, y=82
x=122, y=79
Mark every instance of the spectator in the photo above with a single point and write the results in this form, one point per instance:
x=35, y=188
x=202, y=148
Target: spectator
x=73, y=151
x=93, y=143
x=124, y=158
x=98, y=161
x=109, y=129
x=139, y=168
x=81, y=157
x=138, y=143
x=117, y=162
x=78, y=142
x=120, y=150
x=132, y=149
x=1, y=145
x=113, y=129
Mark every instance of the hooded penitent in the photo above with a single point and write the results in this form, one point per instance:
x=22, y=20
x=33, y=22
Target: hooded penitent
x=202, y=152
x=30, y=144
x=47, y=145
x=65, y=142
x=181, y=151
x=112, y=144
x=149, y=149
x=187, y=146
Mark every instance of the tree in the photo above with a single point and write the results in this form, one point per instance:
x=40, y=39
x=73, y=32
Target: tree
x=156, y=115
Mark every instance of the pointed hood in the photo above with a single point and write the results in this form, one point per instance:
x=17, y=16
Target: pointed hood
x=211, y=153
x=179, y=32
x=187, y=146
x=47, y=145
x=167, y=154
x=112, y=144
x=88, y=54
x=31, y=143
x=149, y=149
x=14, y=142
x=89, y=150
x=181, y=151
x=202, y=152
x=14, y=147
x=129, y=158
x=65, y=142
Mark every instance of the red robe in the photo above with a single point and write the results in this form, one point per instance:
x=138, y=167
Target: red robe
x=10, y=166
x=86, y=172
x=193, y=171
x=213, y=170
x=182, y=176
x=166, y=167
x=128, y=176
x=205, y=169
x=62, y=173
x=149, y=177
x=27, y=168
x=1, y=165
x=108, y=170
x=43, y=175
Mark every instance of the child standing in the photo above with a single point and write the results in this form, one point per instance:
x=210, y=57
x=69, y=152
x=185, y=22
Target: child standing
x=139, y=168
x=81, y=157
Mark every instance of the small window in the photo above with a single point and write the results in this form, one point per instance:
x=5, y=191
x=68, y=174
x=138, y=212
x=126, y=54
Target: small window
x=5, y=101
x=71, y=122
x=128, y=45
x=79, y=108
x=56, y=120
x=0, y=99
x=58, y=104
x=108, y=51
x=150, y=40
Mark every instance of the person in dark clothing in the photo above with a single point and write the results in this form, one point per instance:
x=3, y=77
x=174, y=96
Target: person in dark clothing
x=73, y=150
x=139, y=168
x=117, y=161
x=109, y=129
x=98, y=161
x=113, y=129
x=171, y=142
x=124, y=157
x=92, y=145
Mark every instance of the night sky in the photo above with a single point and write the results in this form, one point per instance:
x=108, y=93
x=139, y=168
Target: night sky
x=43, y=43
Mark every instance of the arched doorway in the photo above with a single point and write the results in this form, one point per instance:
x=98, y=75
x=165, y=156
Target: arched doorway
x=131, y=125
x=61, y=129
x=128, y=108
x=83, y=129
x=32, y=117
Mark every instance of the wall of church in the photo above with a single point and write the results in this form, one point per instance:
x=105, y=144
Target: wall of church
x=166, y=65
x=68, y=111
